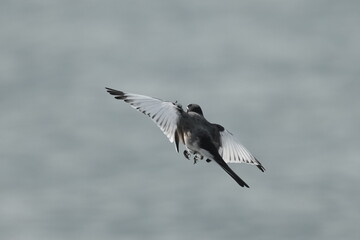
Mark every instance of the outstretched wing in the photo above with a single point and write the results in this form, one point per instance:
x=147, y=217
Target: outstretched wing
x=164, y=114
x=232, y=151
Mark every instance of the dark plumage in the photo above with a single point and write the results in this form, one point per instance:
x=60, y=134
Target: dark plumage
x=202, y=139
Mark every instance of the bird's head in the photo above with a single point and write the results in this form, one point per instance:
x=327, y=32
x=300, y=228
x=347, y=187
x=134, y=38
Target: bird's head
x=194, y=108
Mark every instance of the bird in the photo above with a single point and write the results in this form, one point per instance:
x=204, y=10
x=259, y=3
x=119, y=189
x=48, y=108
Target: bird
x=202, y=139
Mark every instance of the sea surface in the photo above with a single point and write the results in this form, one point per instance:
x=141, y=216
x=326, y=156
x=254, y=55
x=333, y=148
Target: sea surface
x=283, y=76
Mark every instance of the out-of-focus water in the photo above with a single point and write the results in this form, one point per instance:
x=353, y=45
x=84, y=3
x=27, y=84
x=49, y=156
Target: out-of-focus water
x=77, y=164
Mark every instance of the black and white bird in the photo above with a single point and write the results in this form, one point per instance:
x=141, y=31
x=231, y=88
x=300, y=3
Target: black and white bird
x=202, y=139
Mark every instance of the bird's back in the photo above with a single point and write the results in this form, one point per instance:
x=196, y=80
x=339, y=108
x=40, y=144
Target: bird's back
x=193, y=124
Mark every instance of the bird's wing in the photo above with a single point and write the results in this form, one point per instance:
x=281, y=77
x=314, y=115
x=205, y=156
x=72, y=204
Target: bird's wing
x=232, y=151
x=164, y=114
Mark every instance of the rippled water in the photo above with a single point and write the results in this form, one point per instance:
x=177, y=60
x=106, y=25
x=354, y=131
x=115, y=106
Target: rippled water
x=77, y=164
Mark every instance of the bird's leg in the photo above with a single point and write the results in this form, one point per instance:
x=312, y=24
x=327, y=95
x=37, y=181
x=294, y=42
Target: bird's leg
x=187, y=154
x=197, y=157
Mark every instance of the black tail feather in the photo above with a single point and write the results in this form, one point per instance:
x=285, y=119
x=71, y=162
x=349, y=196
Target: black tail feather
x=207, y=145
x=227, y=169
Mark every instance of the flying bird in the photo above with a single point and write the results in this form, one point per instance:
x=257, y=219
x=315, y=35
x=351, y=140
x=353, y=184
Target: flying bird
x=202, y=139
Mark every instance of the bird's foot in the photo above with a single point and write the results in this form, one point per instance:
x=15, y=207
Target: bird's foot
x=193, y=155
x=197, y=157
x=187, y=154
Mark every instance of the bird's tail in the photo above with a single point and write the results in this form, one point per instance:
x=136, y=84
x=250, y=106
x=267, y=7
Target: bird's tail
x=229, y=171
x=209, y=146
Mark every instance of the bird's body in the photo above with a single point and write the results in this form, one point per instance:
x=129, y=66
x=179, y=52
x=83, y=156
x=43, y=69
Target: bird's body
x=192, y=126
x=200, y=137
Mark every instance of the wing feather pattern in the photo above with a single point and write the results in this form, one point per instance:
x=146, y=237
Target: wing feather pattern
x=232, y=151
x=164, y=114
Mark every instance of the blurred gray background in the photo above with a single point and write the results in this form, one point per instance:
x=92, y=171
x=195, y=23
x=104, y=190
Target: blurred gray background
x=77, y=164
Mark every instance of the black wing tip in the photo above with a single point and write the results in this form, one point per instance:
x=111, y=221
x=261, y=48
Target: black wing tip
x=261, y=167
x=118, y=94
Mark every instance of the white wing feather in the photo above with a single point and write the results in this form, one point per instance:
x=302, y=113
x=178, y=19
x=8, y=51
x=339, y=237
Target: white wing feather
x=232, y=151
x=164, y=114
